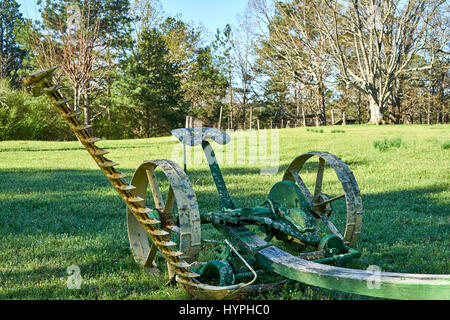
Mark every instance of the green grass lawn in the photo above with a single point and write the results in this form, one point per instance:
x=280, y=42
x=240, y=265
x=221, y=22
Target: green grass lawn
x=58, y=210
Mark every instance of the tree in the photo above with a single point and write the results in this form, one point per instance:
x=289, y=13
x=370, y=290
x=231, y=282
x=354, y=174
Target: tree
x=383, y=36
x=149, y=90
x=84, y=37
x=11, y=54
x=243, y=54
x=293, y=44
x=205, y=88
x=223, y=46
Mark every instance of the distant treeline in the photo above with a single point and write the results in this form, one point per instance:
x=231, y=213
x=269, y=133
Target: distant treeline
x=134, y=71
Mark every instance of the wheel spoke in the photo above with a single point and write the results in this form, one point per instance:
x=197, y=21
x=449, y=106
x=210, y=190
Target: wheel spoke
x=150, y=262
x=331, y=200
x=302, y=185
x=320, y=204
x=156, y=193
x=331, y=226
x=170, y=200
x=168, y=208
x=319, y=180
x=174, y=228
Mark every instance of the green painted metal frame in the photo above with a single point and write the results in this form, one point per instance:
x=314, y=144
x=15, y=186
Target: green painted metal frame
x=391, y=285
x=375, y=284
x=225, y=199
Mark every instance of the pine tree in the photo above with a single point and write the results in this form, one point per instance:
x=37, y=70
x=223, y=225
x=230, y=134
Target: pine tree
x=11, y=55
x=148, y=93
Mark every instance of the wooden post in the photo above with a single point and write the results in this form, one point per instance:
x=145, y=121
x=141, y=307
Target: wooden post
x=332, y=117
x=344, y=122
x=258, y=124
x=219, y=125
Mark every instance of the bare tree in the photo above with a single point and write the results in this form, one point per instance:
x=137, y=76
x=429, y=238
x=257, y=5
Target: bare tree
x=75, y=45
x=294, y=45
x=383, y=36
x=243, y=46
x=146, y=14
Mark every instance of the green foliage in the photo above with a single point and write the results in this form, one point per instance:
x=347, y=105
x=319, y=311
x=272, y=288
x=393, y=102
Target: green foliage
x=113, y=16
x=206, y=87
x=24, y=117
x=445, y=145
x=11, y=55
x=315, y=130
x=148, y=93
x=146, y=79
x=385, y=144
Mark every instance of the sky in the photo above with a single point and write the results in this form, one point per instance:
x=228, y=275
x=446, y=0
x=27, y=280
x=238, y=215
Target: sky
x=213, y=14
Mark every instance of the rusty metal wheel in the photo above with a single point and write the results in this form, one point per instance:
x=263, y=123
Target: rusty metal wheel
x=178, y=213
x=320, y=203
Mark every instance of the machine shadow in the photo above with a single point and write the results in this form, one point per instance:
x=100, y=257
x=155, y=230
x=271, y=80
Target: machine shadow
x=41, y=204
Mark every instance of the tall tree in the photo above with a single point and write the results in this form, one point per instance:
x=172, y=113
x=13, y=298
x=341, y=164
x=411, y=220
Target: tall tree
x=206, y=88
x=383, y=35
x=223, y=47
x=149, y=90
x=85, y=38
x=243, y=58
x=11, y=55
x=293, y=44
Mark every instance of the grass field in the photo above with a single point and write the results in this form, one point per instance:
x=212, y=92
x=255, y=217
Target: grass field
x=58, y=210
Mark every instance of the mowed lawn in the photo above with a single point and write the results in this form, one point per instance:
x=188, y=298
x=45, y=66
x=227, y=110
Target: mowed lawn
x=58, y=210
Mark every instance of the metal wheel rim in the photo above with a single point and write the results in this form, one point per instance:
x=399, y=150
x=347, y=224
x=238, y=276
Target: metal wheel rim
x=183, y=197
x=349, y=185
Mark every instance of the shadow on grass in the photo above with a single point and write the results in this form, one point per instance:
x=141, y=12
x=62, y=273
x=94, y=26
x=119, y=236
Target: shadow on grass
x=402, y=231
x=81, y=148
x=89, y=192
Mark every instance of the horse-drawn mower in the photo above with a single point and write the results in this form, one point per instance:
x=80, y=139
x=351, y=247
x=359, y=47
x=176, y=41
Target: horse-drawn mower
x=249, y=247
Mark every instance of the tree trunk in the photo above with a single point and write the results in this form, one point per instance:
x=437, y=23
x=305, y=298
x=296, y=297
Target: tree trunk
x=394, y=109
x=321, y=104
x=359, y=107
x=231, y=99
x=303, y=116
x=86, y=109
x=376, y=116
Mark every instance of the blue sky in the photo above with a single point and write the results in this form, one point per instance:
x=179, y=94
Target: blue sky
x=213, y=14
